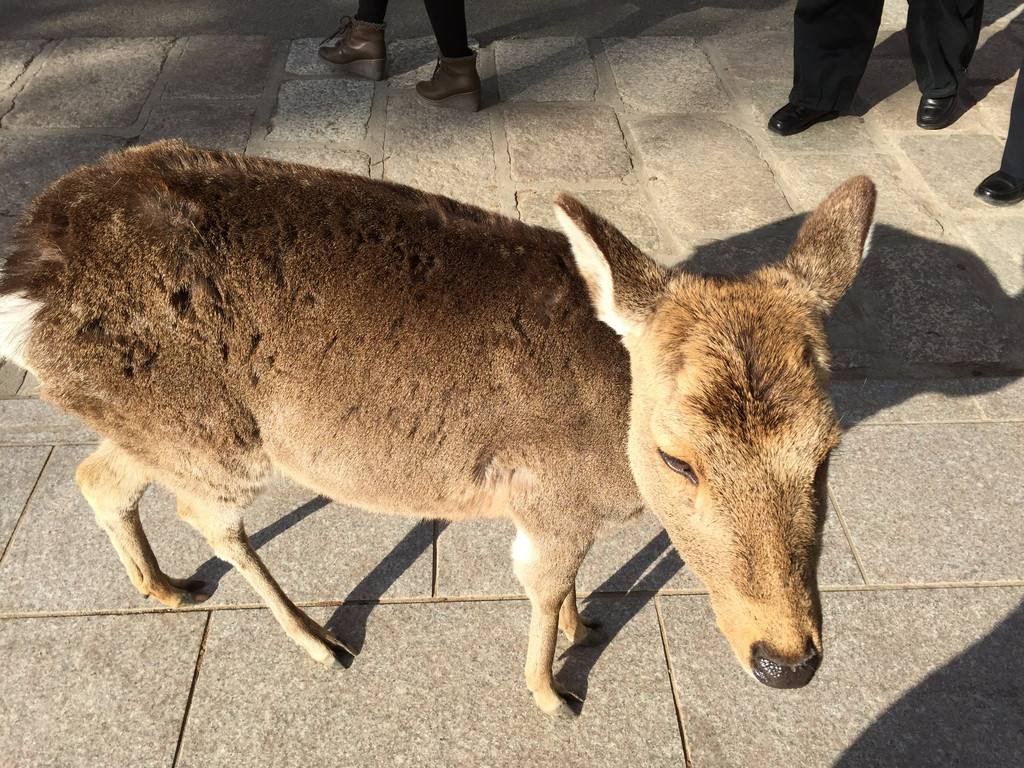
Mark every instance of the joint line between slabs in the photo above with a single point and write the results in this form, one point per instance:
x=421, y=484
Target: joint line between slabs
x=849, y=537
x=672, y=683
x=24, y=507
x=192, y=689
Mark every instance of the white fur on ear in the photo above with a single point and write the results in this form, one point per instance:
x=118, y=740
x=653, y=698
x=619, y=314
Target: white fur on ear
x=596, y=272
x=867, y=241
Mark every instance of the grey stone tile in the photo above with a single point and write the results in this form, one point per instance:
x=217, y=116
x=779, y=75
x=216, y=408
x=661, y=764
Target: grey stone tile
x=14, y=57
x=545, y=69
x=626, y=208
x=413, y=696
x=28, y=421
x=955, y=177
x=999, y=243
x=322, y=110
x=937, y=502
x=317, y=155
x=20, y=468
x=556, y=143
x=27, y=163
x=674, y=170
x=11, y=378
x=95, y=690
x=29, y=387
x=1004, y=400
x=919, y=300
x=304, y=60
x=439, y=150
x=998, y=55
x=665, y=74
x=211, y=124
x=316, y=550
x=221, y=67
x=757, y=57
x=920, y=677
x=810, y=177
x=993, y=101
x=90, y=83
x=899, y=401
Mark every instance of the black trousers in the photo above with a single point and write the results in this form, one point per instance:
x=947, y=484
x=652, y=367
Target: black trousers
x=447, y=19
x=1013, y=152
x=832, y=40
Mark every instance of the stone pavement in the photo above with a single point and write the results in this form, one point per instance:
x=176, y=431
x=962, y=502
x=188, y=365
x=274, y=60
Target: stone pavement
x=653, y=113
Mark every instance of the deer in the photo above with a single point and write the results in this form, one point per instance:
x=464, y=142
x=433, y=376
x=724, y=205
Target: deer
x=218, y=319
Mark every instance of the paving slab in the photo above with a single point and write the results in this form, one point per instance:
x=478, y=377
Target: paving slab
x=90, y=83
x=15, y=56
x=675, y=169
x=901, y=401
x=20, y=468
x=205, y=123
x=317, y=155
x=627, y=208
x=28, y=163
x=561, y=143
x=413, y=695
x=28, y=421
x=29, y=386
x=685, y=82
x=439, y=150
x=7, y=224
x=755, y=57
x=964, y=159
x=1005, y=400
x=935, y=502
x=316, y=550
x=322, y=110
x=11, y=378
x=221, y=67
x=915, y=678
x=810, y=177
x=95, y=690
x=545, y=69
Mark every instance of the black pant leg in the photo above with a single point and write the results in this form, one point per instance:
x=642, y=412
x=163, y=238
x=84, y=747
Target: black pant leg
x=372, y=11
x=832, y=41
x=1013, y=152
x=943, y=35
x=448, y=19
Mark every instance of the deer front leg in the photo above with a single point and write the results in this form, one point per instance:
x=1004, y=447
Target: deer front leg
x=577, y=630
x=546, y=567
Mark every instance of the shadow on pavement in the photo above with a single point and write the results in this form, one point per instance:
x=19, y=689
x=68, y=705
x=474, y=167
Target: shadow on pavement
x=966, y=713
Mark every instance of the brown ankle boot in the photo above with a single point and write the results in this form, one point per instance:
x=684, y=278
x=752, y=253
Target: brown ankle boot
x=358, y=48
x=454, y=84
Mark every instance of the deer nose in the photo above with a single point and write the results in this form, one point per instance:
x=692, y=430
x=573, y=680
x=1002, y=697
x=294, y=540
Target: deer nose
x=776, y=671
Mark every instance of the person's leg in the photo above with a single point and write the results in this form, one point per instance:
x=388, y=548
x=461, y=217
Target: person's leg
x=1013, y=152
x=448, y=20
x=943, y=35
x=832, y=41
x=372, y=11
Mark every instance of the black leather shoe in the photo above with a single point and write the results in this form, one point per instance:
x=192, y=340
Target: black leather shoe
x=1000, y=189
x=793, y=118
x=933, y=114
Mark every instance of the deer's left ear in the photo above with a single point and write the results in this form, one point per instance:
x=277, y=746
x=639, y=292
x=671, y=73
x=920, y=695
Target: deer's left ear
x=624, y=283
x=833, y=241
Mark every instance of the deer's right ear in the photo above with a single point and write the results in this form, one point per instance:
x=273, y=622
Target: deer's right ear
x=623, y=282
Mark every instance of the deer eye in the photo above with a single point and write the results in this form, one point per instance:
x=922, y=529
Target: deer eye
x=678, y=466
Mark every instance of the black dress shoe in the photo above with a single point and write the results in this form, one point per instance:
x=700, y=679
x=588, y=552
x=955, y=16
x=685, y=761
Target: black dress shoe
x=1000, y=189
x=933, y=114
x=793, y=118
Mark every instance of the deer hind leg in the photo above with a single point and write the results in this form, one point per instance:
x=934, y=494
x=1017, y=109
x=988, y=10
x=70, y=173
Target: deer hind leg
x=546, y=566
x=113, y=483
x=223, y=529
x=577, y=630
